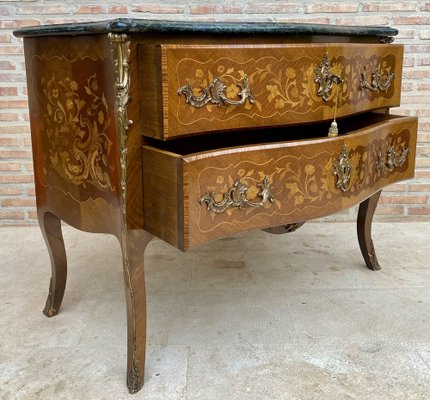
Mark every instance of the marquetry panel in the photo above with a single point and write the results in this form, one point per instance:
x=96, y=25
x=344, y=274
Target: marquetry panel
x=282, y=80
x=72, y=113
x=300, y=175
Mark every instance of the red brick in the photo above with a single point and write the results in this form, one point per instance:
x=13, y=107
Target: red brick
x=423, y=113
x=91, y=9
x=297, y=20
x=423, y=86
x=363, y=20
x=10, y=191
x=396, y=187
x=16, y=178
x=14, y=129
x=273, y=8
x=32, y=214
x=407, y=86
x=423, y=61
x=8, y=91
x=389, y=7
x=422, y=174
x=424, y=35
x=416, y=73
x=424, y=138
x=215, y=9
x=408, y=61
x=41, y=9
x=5, y=38
x=419, y=210
x=18, y=23
x=417, y=48
x=18, y=202
x=411, y=20
x=417, y=99
x=11, y=50
x=423, y=125
x=13, y=104
x=31, y=191
x=159, y=9
x=50, y=21
x=389, y=210
x=16, y=215
x=405, y=199
x=331, y=8
x=422, y=163
x=9, y=77
x=5, y=10
x=4, y=166
x=9, y=142
x=118, y=9
x=8, y=117
x=15, y=154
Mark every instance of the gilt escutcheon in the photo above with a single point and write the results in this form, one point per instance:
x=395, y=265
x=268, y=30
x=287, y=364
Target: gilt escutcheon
x=342, y=168
x=325, y=78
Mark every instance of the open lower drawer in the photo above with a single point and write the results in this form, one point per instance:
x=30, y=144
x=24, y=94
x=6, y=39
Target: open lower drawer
x=200, y=188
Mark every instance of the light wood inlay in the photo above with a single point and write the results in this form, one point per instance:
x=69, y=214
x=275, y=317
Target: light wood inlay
x=281, y=78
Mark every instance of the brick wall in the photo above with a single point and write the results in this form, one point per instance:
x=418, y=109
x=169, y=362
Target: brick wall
x=408, y=200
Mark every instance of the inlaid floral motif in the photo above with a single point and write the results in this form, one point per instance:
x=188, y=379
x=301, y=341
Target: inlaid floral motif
x=298, y=182
x=278, y=85
x=76, y=120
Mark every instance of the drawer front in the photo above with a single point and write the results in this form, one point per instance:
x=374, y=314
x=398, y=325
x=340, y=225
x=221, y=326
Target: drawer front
x=214, y=88
x=238, y=189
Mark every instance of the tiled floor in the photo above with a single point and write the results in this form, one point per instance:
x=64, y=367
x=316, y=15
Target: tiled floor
x=254, y=316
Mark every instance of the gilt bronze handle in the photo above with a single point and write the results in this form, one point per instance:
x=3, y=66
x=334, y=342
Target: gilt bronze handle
x=236, y=197
x=377, y=81
x=215, y=94
x=392, y=159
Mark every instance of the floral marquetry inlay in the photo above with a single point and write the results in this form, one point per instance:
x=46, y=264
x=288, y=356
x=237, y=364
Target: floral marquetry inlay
x=76, y=119
x=309, y=179
x=284, y=82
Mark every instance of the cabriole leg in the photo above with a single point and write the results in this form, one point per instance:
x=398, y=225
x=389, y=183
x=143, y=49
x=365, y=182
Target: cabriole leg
x=364, y=225
x=50, y=226
x=133, y=247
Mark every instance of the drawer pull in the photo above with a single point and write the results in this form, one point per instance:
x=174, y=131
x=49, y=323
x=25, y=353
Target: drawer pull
x=325, y=78
x=342, y=168
x=377, y=81
x=215, y=94
x=236, y=197
x=392, y=159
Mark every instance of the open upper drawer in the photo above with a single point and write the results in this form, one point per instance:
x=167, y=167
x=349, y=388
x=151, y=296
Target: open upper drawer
x=188, y=89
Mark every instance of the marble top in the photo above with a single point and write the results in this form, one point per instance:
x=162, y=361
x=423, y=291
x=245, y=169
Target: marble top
x=125, y=25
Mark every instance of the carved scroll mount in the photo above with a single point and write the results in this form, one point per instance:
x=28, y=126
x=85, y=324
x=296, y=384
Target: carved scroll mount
x=325, y=78
x=215, y=93
x=376, y=82
x=342, y=168
x=386, y=39
x=392, y=159
x=236, y=197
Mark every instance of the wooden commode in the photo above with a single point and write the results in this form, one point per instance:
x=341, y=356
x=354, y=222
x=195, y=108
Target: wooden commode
x=195, y=131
